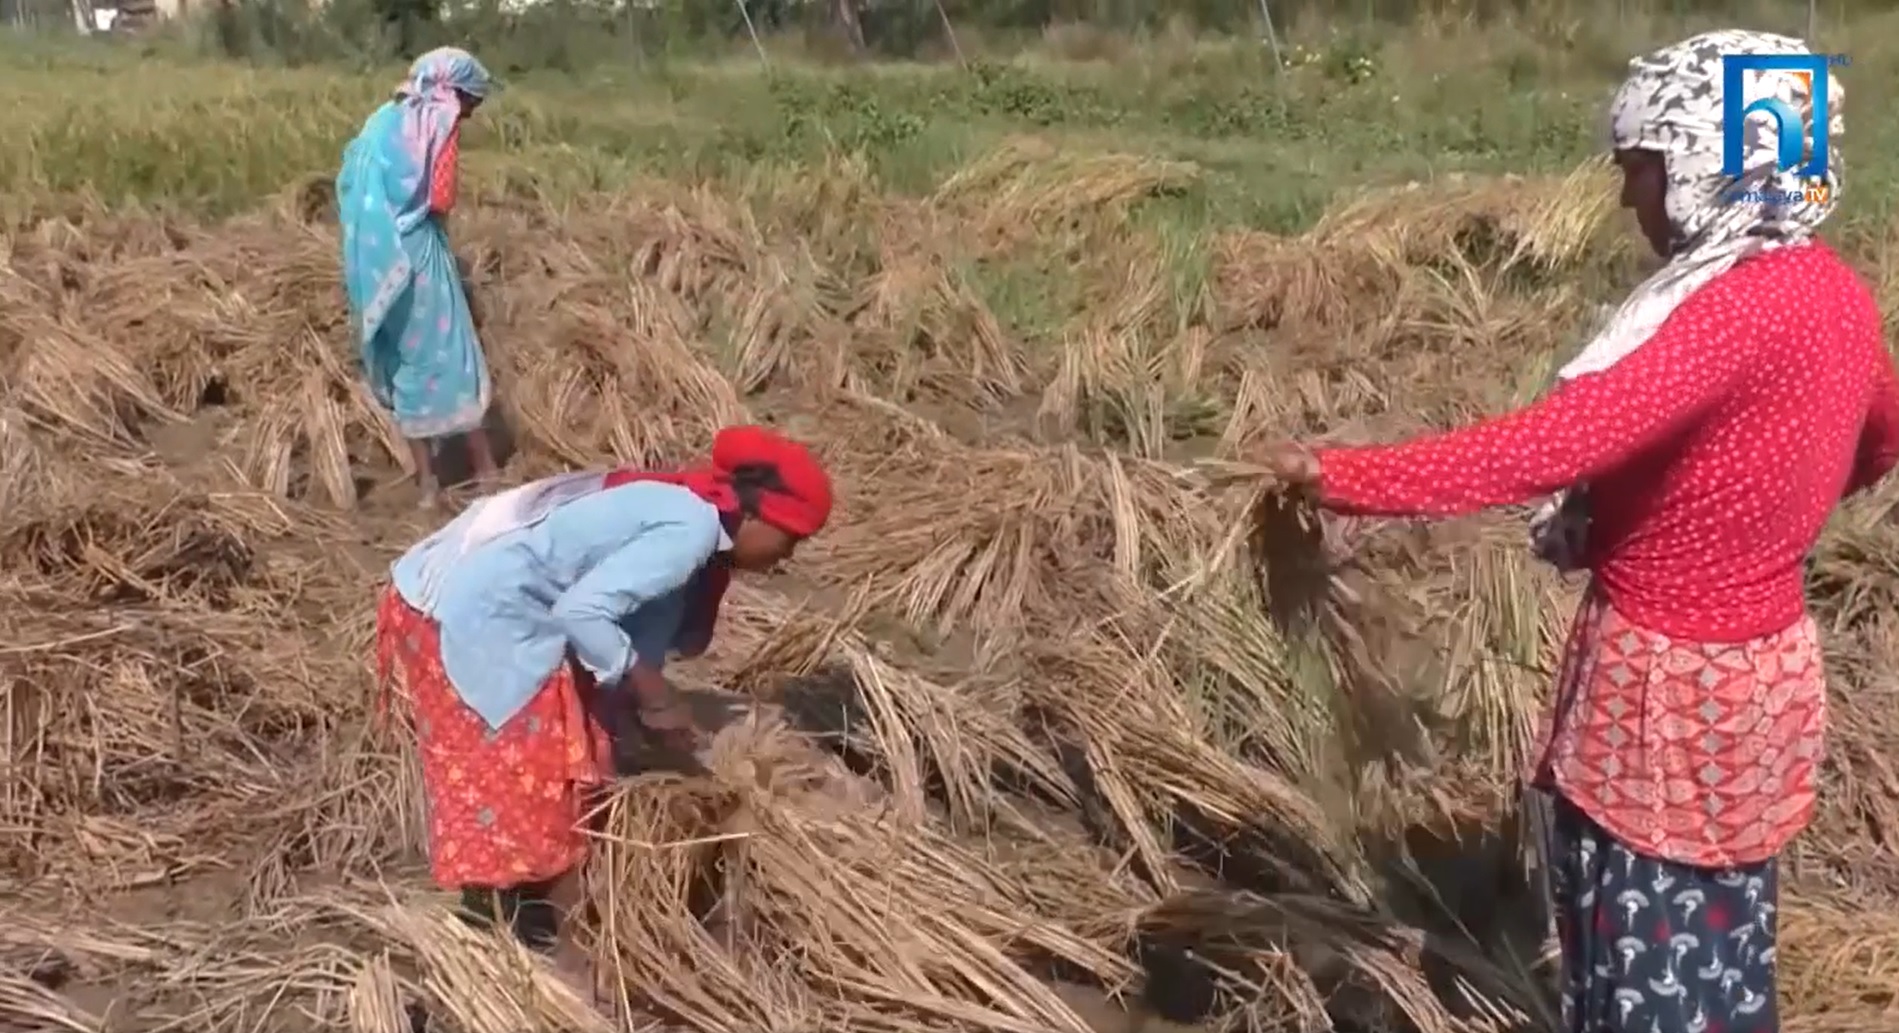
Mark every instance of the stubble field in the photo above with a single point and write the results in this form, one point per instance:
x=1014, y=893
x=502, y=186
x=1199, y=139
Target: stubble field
x=1014, y=747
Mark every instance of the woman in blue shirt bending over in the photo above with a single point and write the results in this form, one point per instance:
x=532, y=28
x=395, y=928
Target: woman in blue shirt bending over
x=520, y=627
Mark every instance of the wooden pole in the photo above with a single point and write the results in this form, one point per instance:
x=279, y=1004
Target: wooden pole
x=1272, y=40
x=950, y=31
x=752, y=31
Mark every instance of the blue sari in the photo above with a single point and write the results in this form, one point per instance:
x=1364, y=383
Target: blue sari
x=414, y=327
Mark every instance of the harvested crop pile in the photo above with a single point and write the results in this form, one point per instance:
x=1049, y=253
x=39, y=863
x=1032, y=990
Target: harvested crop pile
x=1022, y=744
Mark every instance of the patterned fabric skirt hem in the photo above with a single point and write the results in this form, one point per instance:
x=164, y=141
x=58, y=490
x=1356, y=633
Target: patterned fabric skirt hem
x=506, y=806
x=1655, y=946
x=470, y=417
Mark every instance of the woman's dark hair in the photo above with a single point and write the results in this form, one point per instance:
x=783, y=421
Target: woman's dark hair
x=752, y=480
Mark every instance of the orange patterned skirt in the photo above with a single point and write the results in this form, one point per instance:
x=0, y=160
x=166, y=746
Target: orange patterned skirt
x=1704, y=754
x=506, y=806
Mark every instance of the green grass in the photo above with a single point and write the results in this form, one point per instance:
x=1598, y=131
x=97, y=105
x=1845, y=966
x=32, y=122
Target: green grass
x=149, y=126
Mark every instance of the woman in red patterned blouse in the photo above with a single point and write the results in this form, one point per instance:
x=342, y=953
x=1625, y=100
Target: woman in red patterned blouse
x=1730, y=402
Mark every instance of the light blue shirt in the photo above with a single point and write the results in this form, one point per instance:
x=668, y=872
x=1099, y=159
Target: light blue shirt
x=611, y=575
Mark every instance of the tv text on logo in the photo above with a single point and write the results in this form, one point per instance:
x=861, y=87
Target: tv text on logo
x=1817, y=193
x=1795, y=138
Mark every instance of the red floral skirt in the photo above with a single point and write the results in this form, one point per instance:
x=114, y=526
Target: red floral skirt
x=505, y=806
x=1704, y=754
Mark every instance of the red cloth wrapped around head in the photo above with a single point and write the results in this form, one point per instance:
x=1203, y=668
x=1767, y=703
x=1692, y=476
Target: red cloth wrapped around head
x=800, y=507
x=801, y=504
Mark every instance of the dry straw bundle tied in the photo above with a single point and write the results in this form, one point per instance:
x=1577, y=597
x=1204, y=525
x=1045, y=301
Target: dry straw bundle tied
x=1058, y=529
x=479, y=981
x=948, y=742
x=782, y=893
x=1351, y=268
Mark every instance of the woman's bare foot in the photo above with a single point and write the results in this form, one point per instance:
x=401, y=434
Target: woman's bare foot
x=481, y=457
x=422, y=458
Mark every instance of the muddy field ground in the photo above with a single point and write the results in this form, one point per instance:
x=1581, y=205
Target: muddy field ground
x=1015, y=746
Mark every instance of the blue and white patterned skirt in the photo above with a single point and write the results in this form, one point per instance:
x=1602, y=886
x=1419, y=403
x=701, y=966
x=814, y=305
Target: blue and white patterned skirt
x=1652, y=946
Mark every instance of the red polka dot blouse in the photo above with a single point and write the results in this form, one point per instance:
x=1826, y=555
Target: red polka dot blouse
x=1714, y=453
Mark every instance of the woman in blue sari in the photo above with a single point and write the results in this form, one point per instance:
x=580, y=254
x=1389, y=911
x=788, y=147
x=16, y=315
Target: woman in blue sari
x=412, y=318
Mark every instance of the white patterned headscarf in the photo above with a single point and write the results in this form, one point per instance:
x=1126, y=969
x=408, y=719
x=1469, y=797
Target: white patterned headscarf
x=1671, y=103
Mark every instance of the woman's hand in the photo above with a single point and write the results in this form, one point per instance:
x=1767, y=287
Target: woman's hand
x=663, y=712
x=671, y=726
x=670, y=716
x=1293, y=464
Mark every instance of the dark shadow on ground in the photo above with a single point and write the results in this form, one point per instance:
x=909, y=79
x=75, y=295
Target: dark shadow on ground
x=1470, y=891
x=826, y=706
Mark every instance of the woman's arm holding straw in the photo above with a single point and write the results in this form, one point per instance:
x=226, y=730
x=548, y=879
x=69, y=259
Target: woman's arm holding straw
x=655, y=563
x=1586, y=427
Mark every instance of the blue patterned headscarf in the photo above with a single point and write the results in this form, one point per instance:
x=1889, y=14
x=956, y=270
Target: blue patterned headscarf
x=444, y=70
x=430, y=101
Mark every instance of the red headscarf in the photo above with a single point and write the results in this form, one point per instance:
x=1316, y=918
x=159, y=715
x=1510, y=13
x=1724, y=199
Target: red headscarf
x=801, y=503
x=799, y=507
